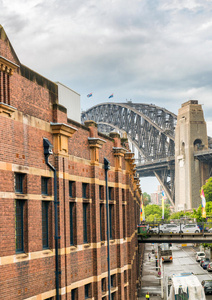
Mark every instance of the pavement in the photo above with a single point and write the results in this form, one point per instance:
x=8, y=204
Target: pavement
x=150, y=281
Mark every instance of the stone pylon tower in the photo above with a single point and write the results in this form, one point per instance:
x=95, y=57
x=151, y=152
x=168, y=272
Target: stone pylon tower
x=190, y=136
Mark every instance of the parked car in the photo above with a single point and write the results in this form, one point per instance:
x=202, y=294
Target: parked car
x=200, y=255
x=203, y=260
x=209, y=267
x=207, y=285
x=210, y=230
x=205, y=264
x=158, y=229
x=191, y=228
x=171, y=228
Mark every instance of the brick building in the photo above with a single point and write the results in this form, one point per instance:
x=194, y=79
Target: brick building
x=29, y=112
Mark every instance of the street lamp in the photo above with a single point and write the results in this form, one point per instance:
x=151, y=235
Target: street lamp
x=47, y=146
x=107, y=167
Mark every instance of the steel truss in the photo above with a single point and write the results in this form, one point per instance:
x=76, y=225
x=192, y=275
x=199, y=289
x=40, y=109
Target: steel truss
x=150, y=128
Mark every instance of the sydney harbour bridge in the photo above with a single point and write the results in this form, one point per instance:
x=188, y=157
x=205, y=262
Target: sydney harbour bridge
x=151, y=132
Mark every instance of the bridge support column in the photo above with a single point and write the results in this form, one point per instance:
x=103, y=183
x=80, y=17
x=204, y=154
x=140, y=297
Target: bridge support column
x=190, y=136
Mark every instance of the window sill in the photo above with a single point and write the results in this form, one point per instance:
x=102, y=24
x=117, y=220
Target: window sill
x=47, y=251
x=21, y=255
x=22, y=196
x=112, y=241
x=72, y=248
x=102, y=242
x=86, y=246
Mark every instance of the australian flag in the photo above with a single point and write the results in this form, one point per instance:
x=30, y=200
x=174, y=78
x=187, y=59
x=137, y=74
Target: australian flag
x=89, y=95
x=111, y=96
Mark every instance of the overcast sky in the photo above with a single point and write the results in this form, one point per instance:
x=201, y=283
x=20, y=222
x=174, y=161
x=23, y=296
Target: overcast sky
x=149, y=51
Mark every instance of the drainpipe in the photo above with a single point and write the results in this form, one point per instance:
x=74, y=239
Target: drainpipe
x=107, y=167
x=48, y=151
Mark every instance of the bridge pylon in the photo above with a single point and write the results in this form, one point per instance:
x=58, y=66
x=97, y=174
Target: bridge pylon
x=190, y=172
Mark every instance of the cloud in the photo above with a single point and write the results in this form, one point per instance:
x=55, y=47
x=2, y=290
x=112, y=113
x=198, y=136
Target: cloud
x=155, y=51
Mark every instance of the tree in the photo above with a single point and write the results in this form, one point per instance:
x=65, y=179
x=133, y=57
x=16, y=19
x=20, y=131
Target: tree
x=179, y=214
x=154, y=212
x=208, y=190
x=146, y=198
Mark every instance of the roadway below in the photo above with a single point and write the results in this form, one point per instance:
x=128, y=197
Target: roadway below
x=183, y=261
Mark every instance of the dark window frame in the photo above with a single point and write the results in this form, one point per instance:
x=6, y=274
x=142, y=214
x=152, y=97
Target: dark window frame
x=45, y=224
x=111, y=221
x=88, y=291
x=84, y=190
x=72, y=222
x=85, y=222
x=44, y=186
x=19, y=183
x=19, y=225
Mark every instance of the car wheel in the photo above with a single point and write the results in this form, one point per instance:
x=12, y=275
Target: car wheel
x=196, y=231
x=181, y=231
x=160, y=231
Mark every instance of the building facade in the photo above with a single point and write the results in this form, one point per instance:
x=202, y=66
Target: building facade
x=29, y=113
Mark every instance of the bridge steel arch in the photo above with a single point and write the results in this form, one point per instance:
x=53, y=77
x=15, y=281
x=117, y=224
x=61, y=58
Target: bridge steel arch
x=150, y=128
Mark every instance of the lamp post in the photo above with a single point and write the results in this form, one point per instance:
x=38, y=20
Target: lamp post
x=48, y=151
x=107, y=167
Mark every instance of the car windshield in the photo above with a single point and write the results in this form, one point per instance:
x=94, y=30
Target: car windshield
x=200, y=254
x=209, y=283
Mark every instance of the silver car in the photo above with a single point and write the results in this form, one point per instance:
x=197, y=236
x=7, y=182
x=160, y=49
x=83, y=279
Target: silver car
x=193, y=228
x=171, y=228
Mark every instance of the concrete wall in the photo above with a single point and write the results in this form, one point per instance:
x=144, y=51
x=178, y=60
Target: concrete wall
x=71, y=100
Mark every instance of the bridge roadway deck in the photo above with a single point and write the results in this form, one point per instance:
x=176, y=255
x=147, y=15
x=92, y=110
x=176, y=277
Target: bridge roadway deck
x=181, y=238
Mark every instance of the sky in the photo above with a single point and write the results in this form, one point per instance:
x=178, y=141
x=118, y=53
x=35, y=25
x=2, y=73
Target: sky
x=146, y=51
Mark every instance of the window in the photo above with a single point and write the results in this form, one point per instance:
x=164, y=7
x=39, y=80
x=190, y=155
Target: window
x=123, y=195
x=87, y=291
x=71, y=189
x=102, y=227
x=72, y=223
x=85, y=223
x=124, y=221
x=74, y=294
x=113, y=296
x=44, y=185
x=45, y=224
x=101, y=192
x=112, y=280
x=19, y=228
x=111, y=221
x=110, y=192
x=85, y=190
x=125, y=276
x=19, y=183
x=103, y=285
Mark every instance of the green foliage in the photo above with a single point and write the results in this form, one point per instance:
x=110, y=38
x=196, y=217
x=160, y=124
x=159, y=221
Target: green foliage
x=179, y=214
x=153, y=212
x=208, y=190
x=146, y=199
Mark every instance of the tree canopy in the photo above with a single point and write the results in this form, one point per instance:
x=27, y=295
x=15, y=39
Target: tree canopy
x=153, y=212
x=208, y=190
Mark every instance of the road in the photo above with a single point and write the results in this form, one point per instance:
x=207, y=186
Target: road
x=184, y=261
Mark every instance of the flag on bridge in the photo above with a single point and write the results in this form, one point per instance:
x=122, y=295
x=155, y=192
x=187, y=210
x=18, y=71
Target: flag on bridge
x=202, y=195
x=163, y=198
x=89, y=95
x=111, y=96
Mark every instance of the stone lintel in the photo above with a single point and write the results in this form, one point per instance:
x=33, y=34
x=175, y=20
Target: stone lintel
x=90, y=123
x=63, y=129
x=119, y=151
x=61, y=133
x=7, y=65
x=96, y=142
x=129, y=155
x=6, y=110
